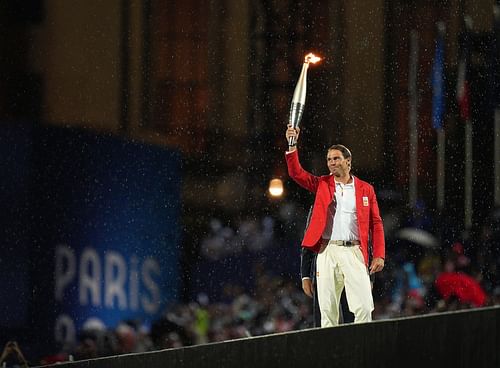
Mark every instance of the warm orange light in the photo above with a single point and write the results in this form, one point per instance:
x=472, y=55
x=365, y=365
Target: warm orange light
x=311, y=58
x=276, y=188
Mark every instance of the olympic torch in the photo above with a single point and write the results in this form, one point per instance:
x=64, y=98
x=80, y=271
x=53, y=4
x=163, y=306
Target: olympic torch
x=299, y=95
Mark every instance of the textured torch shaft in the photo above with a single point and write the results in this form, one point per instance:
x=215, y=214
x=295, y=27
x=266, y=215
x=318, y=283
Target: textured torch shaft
x=298, y=101
x=296, y=111
x=299, y=95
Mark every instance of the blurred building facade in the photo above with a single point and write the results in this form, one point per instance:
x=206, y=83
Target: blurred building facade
x=214, y=78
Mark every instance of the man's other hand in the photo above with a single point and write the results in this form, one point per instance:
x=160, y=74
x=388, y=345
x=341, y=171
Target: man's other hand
x=377, y=265
x=307, y=286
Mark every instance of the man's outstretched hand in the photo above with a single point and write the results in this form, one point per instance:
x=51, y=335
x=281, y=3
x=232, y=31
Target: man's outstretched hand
x=292, y=132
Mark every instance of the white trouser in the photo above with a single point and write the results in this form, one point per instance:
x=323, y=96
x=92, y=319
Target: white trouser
x=338, y=266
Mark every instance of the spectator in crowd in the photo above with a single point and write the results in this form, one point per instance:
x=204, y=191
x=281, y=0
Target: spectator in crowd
x=12, y=356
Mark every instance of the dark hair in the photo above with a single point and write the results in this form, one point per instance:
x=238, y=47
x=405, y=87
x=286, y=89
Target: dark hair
x=345, y=151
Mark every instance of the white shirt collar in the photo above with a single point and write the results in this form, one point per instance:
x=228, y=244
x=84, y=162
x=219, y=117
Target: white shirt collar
x=351, y=184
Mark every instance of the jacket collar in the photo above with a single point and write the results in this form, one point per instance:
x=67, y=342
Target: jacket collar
x=331, y=185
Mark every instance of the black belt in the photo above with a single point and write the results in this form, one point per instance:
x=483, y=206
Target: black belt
x=345, y=243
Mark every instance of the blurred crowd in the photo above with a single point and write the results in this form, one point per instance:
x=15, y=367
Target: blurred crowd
x=276, y=305
x=427, y=272
x=251, y=234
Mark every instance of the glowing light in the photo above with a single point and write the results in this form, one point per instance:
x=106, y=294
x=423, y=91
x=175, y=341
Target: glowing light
x=276, y=188
x=311, y=58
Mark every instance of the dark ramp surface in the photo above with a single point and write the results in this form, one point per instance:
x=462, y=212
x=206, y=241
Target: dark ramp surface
x=468, y=339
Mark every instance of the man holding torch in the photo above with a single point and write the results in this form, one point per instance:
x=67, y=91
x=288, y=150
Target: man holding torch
x=344, y=216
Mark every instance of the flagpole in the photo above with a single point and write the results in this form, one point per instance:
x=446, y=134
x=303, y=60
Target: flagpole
x=496, y=91
x=468, y=175
x=440, y=167
x=497, y=156
x=412, y=120
x=464, y=104
x=468, y=141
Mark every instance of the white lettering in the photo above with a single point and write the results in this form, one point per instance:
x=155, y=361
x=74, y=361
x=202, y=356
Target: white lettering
x=64, y=330
x=108, y=280
x=90, y=277
x=65, y=269
x=149, y=267
x=116, y=272
x=134, y=284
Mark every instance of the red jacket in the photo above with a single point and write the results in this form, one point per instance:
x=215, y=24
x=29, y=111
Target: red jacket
x=369, y=220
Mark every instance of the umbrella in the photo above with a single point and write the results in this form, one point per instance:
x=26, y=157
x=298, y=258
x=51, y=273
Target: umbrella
x=418, y=236
x=464, y=287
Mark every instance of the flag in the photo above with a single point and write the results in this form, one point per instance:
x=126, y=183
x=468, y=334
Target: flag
x=463, y=88
x=438, y=92
x=438, y=110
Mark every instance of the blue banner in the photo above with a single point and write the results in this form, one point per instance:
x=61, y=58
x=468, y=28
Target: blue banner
x=104, y=231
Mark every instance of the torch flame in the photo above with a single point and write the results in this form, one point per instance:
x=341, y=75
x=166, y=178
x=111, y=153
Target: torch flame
x=311, y=58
